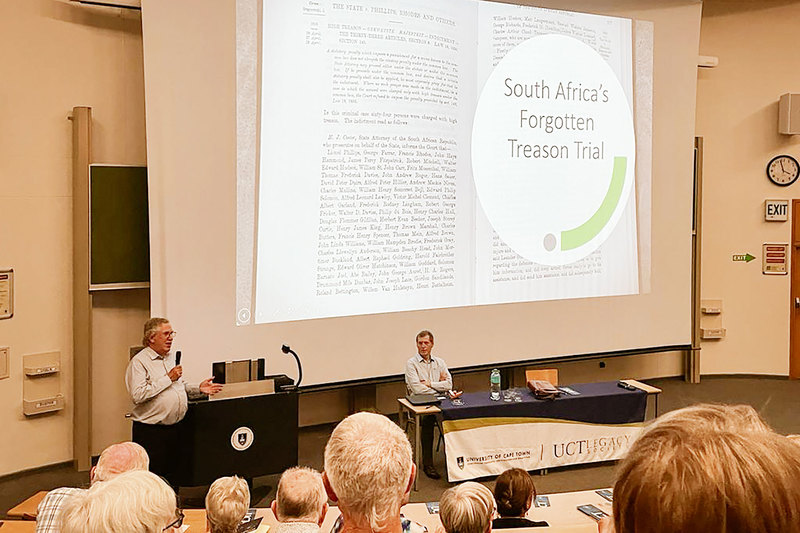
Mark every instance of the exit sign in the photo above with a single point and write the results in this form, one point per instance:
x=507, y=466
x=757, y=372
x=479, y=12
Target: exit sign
x=776, y=210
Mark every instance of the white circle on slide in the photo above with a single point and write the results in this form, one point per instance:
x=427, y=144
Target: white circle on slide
x=553, y=149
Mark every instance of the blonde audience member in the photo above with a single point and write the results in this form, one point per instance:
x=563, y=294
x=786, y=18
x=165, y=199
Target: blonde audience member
x=514, y=493
x=300, y=503
x=227, y=502
x=467, y=508
x=369, y=473
x=133, y=502
x=710, y=469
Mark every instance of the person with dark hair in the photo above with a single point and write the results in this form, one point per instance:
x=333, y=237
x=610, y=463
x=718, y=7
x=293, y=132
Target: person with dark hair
x=514, y=492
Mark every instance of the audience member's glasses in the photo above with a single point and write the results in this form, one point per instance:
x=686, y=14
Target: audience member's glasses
x=169, y=334
x=178, y=522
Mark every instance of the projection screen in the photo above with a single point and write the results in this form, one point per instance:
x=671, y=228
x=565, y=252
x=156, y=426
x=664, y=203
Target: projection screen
x=340, y=175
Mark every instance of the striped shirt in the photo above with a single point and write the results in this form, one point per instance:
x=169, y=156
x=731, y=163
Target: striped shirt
x=48, y=516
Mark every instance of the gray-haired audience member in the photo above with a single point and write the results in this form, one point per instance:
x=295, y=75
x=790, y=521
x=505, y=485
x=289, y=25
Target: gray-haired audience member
x=133, y=502
x=708, y=468
x=114, y=460
x=467, y=508
x=301, y=503
x=369, y=473
x=227, y=502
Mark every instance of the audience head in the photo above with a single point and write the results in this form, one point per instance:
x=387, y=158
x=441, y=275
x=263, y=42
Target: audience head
x=133, y=502
x=119, y=458
x=368, y=470
x=467, y=508
x=300, y=496
x=718, y=417
x=697, y=470
x=514, y=492
x=227, y=502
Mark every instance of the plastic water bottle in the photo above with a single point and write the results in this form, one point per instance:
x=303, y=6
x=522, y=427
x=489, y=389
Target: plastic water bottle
x=494, y=382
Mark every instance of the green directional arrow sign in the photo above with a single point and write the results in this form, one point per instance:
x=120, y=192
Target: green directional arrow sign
x=743, y=257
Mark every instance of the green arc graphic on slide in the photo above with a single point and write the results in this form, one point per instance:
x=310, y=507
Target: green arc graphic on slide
x=575, y=237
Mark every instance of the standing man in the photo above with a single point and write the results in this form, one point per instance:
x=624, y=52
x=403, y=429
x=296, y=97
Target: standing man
x=426, y=374
x=160, y=397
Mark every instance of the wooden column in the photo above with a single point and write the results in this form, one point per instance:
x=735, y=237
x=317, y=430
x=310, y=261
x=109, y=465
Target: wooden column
x=692, y=362
x=81, y=298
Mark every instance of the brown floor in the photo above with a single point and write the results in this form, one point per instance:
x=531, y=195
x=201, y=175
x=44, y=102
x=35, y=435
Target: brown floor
x=777, y=399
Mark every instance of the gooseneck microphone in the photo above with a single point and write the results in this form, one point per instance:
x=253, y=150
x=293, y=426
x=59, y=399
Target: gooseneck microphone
x=285, y=349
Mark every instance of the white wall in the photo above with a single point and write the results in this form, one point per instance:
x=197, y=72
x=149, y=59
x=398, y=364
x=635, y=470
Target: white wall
x=737, y=116
x=56, y=56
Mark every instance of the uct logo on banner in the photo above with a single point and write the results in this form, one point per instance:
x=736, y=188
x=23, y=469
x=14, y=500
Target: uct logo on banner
x=242, y=438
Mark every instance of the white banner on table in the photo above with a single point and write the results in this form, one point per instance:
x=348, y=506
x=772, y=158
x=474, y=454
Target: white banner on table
x=479, y=447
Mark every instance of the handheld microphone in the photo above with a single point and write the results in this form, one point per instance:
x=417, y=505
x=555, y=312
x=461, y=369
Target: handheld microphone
x=177, y=358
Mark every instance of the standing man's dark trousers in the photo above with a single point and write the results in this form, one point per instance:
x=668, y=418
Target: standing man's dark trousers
x=426, y=439
x=163, y=445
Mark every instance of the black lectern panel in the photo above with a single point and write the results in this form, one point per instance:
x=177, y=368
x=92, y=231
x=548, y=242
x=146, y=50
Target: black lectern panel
x=249, y=437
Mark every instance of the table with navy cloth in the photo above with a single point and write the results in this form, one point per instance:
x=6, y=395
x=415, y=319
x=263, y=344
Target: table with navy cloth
x=483, y=437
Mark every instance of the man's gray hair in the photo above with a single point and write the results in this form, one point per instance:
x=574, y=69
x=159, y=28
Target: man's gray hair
x=227, y=502
x=301, y=495
x=368, y=467
x=151, y=328
x=135, y=502
x=119, y=458
x=466, y=508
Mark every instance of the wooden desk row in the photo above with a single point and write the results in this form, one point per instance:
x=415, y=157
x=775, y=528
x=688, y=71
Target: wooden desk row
x=562, y=515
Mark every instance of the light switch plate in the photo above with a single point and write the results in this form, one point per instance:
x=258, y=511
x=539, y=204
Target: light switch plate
x=3, y=362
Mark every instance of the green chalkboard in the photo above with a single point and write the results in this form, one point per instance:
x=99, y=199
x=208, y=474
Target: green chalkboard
x=119, y=240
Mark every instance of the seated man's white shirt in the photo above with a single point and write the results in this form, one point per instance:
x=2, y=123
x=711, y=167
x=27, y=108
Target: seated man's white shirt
x=419, y=370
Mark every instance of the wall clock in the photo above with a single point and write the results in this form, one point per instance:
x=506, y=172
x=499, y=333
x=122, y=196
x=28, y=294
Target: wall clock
x=783, y=170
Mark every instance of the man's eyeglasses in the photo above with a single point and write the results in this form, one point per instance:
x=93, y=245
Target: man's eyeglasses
x=178, y=522
x=169, y=334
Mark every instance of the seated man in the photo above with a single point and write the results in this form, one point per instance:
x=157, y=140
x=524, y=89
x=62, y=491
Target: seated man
x=694, y=470
x=114, y=460
x=369, y=474
x=227, y=502
x=426, y=374
x=467, y=508
x=133, y=502
x=300, y=503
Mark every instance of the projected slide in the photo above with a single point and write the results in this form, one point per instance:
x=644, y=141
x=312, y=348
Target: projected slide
x=418, y=155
